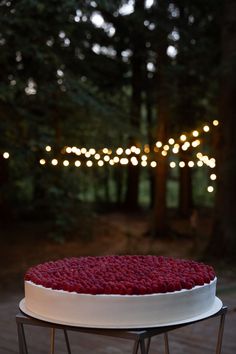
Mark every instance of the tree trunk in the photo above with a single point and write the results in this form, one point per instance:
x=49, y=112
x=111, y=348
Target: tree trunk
x=159, y=219
x=159, y=223
x=137, y=63
x=223, y=240
x=185, y=188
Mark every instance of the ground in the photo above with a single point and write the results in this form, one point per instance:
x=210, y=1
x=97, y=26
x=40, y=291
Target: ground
x=27, y=243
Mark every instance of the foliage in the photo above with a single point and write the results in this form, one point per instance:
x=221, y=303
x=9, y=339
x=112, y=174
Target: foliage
x=67, y=80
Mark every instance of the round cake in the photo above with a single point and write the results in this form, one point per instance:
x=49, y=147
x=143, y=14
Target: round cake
x=120, y=291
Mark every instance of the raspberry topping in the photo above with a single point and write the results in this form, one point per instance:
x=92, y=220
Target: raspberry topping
x=124, y=275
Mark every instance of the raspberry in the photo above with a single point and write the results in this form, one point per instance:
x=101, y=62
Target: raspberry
x=124, y=275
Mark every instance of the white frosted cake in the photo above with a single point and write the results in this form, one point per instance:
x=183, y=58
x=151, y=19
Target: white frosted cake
x=119, y=291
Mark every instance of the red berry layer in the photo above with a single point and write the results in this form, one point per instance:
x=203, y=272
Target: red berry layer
x=124, y=275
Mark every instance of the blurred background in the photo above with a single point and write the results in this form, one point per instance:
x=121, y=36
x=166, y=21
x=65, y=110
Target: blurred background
x=117, y=136
x=117, y=130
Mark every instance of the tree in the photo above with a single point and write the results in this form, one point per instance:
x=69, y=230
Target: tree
x=223, y=241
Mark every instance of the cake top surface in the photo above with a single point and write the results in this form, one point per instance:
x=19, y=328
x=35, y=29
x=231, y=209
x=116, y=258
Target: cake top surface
x=124, y=275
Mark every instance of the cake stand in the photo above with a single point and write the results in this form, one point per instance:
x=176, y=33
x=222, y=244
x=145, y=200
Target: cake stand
x=140, y=336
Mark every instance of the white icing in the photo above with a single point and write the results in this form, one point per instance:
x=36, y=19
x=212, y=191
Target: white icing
x=118, y=310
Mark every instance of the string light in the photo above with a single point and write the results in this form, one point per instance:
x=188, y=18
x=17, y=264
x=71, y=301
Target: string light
x=206, y=128
x=106, y=158
x=68, y=150
x=200, y=163
x=153, y=164
x=111, y=162
x=66, y=163
x=100, y=163
x=137, y=151
x=182, y=164
x=124, y=161
x=215, y=122
x=128, y=151
x=133, y=148
x=119, y=151
x=171, y=141
x=213, y=176
x=78, y=152
x=144, y=157
x=89, y=163
x=74, y=149
x=105, y=151
x=83, y=150
x=190, y=164
x=146, y=148
x=195, y=133
x=164, y=153
x=54, y=162
x=185, y=146
x=166, y=147
x=42, y=162
x=144, y=163
x=97, y=156
x=6, y=155
x=172, y=164
x=183, y=137
x=210, y=189
x=195, y=143
x=158, y=144
x=92, y=151
x=116, y=159
x=77, y=163
x=48, y=148
x=199, y=155
x=87, y=154
x=134, y=161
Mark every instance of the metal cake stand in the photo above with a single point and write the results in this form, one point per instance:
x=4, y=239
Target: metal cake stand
x=140, y=337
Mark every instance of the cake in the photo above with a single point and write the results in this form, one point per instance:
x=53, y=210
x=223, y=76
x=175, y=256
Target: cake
x=119, y=291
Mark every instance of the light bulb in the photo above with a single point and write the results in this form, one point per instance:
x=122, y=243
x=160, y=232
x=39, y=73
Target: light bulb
x=195, y=133
x=54, y=162
x=89, y=163
x=100, y=163
x=172, y=164
x=6, y=155
x=66, y=163
x=181, y=164
x=48, y=148
x=210, y=189
x=77, y=163
x=183, y=137
x=215, y=122
x=206, y=128
x=42, y=162
x=171, y=141
x=153, y=164
x=213, y=176
x=158, y=144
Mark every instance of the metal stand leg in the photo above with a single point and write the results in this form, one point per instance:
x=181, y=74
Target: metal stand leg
x=67, y=341
x=148, y=344
x=142, y=347
x=21, y=339
x=167, y=349
x=220, y=333
x=135, y=348
x=52, y=341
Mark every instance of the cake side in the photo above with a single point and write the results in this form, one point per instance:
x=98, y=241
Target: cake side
x=118, y=310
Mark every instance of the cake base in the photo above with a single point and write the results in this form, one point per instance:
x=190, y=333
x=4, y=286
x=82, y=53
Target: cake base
x=216, y=306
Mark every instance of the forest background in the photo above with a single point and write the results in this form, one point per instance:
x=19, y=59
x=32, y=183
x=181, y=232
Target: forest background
x=118, y=106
